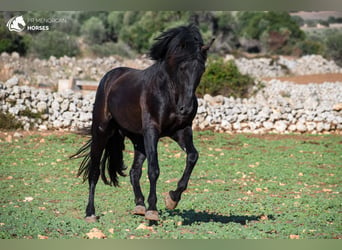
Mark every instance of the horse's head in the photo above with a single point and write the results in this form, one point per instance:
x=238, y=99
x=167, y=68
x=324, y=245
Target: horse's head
x=181, y=42
x=182, y=49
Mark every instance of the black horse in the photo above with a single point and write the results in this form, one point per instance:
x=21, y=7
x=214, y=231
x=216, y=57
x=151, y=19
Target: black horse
x=145, y=105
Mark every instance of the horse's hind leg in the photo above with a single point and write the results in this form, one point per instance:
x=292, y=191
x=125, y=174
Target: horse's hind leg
x=135, y=175
x=97, y=146
x=185, y=141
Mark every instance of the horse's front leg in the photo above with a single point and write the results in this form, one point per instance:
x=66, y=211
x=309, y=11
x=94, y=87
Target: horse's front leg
x=151, y=137
x=185, y=140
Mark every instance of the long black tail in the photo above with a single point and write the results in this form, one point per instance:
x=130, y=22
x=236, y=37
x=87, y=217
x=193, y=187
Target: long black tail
x=83, y=152
x=111, y=160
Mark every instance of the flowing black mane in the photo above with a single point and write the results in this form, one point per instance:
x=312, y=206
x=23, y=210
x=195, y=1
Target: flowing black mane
x=173, y=41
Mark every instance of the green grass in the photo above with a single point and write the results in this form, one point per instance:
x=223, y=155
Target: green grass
x=243, y=186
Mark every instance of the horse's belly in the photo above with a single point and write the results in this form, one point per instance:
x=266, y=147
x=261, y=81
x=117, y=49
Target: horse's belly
x=129, y=120
x=127, y=116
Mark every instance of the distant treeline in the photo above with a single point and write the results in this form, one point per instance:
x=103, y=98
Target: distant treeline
x=127, y=33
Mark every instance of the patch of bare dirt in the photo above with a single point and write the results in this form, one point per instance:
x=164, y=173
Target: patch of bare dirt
x=305, y=79
x=317, y=15
x=8, y=136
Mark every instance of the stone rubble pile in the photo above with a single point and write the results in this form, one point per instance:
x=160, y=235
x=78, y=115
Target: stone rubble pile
x=47, y=72
x=43, y=109
x=260, y=67
x=281, y=107
x=269, y=67
x=310, y=64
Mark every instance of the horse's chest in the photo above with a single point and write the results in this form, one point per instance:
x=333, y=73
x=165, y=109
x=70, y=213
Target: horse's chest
x=177, y=120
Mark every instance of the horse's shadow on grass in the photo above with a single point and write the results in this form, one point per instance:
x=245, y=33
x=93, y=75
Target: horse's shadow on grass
x=192, y=217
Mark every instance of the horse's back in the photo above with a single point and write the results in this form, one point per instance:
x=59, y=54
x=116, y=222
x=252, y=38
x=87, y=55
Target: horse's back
x=111, y=77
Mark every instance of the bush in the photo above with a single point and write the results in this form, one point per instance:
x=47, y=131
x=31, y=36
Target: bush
x=141, y=28
x=9, y=122
x=53, y=43
x=11, y=41
x=71, y=27
x=224, y=78
x=115, y=24
x=299, y=20
x=309, y=47
x=110, y=48
x=277, y=31
x=93, y=30
x=334, y=47
x=333, y=19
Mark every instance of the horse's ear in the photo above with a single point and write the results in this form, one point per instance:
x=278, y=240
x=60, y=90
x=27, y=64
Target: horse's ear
x=205, y=48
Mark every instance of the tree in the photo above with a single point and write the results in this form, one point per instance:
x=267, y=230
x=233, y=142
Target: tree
x=277, y=31
x=142, y=27
x=115, y=24
x=11, y=41
x=53, y=43
x=93, y=30
x=334, y=47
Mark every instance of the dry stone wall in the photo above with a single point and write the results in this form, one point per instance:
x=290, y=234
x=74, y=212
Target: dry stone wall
x=280, y=107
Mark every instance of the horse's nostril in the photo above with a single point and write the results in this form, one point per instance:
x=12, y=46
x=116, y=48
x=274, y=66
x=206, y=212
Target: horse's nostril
x=182, y=110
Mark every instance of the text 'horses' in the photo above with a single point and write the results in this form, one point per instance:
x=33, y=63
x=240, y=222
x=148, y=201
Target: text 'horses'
x=145, y=105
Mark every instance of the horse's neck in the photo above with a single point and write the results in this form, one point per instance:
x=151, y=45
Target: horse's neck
x=180, y=91
x=183, y=92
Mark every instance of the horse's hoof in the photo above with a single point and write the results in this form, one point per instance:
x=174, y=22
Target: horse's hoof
x=139, y=210
x=152, y=215
x=91, y=219
x=169, y=203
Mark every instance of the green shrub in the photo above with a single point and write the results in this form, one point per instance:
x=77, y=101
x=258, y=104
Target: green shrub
x=72, y=26
x=53, y=43
x=299, y=20
x=333, y=19
x=115, y=24
x=110, y=48
x=93, y=30
x=141, y=28
x=309, y=47
x=334, y=47
x=9, y=122
x=28, y=113
x=11, y=41
x=224, y=78
x=277, y=31
x=255, y=23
